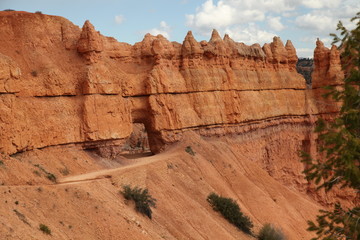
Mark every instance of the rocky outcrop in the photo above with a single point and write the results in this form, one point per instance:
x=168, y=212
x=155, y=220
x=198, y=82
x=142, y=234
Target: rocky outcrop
x=327, y=67
x=60, y=84
x=291, y=52
x=191, y=47
x=279, y=52
x=90, y=43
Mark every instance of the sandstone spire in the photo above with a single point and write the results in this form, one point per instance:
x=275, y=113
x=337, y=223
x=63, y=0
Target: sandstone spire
x=191, y=46
x=231, y=45
x=327, y=67
x=228, y=38
x=216, y=45
x=278, y=50
x=291, y=52
x=90, y=42
x=162, y=46
x=335, y=73
x=90, y=39
x=215, y=37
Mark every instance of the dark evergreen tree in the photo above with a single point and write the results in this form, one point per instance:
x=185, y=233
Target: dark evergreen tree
x=340, y=144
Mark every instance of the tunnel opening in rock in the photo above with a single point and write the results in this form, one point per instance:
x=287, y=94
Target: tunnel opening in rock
x=137, y=144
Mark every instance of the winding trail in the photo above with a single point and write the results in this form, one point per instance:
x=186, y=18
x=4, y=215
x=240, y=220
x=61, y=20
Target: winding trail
x=107, y=173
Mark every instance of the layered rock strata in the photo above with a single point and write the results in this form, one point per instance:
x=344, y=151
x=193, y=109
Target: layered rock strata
x=60, y=84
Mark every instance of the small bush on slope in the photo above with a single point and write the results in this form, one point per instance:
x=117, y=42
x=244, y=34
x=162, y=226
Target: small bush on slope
x=189, y=150
x=231, y=212
x=45, y=229
x=143, y=200
x=269, y=232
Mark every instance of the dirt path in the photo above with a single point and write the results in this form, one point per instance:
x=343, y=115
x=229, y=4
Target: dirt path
x=106, y=173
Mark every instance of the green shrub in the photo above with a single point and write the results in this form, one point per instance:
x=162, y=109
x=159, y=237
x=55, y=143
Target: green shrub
x=143, y=200
x=51, y=177
x=48, y=175
x=189, y=150
x=45, y=229
x=230, y=211
x=269, y=232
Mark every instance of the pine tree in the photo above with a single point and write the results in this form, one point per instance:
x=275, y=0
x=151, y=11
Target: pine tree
x=340, y=144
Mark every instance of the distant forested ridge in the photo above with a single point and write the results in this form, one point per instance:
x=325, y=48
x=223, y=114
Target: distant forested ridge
x=305, y=67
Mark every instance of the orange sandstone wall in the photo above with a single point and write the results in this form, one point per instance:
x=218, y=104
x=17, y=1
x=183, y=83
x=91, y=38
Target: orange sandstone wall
x=60, y=84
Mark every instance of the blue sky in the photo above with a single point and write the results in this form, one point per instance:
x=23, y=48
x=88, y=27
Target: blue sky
x=248, y=21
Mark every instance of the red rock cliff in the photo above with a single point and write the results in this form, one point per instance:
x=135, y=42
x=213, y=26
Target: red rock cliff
x=65, y=85
x=60, y=84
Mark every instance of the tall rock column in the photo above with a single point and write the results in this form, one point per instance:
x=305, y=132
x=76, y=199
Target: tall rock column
x=327, y=66
x=90, y=44
x=327, y=72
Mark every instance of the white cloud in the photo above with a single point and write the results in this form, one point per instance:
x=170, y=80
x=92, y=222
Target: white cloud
x=305, y=52
x=321, y=3
x=289, y=14
x=164, y=25
x=348, y=9
x=119, y=19
x=321, y=23
x=164, y=29
x=211, y=16
x=230, y=14
x=277, y=6
x=324, y=20
x=223, y=14
x=250, y=34
x=275, y=23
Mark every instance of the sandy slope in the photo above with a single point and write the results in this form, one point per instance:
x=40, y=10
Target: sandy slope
x=87, y=205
